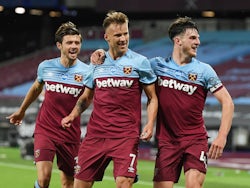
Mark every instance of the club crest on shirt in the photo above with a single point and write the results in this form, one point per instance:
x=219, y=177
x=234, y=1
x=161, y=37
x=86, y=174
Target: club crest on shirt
x=78, y=77
x=127, y=69
x=192, y=76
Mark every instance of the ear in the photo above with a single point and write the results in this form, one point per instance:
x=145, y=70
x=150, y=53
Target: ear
x=177, y=40
x=105, y=36
x=58, y=45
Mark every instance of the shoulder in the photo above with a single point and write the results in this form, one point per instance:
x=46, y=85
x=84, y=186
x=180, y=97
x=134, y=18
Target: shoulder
x=49, y=62
x=201, y=63
x=133, y=54
x=206, y=72
x=157, y=61
x=136, y=60
x=82, y=64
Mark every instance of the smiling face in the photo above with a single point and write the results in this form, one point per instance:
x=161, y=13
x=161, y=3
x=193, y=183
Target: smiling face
x=188, y=42
x=70, y=48
x=186, y=39
x=117, y=36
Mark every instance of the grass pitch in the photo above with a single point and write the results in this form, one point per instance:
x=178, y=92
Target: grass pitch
x=17, y=172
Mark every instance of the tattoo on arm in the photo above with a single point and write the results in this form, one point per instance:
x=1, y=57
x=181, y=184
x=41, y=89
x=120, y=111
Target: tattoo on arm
x=81, y=106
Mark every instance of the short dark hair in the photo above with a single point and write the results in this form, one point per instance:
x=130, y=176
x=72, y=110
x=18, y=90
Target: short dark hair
x=180, y=25
x=67, y=28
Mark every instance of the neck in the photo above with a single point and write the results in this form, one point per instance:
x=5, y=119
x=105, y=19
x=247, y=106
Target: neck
x=116, y=55
x=67, y=62
x=181, y=59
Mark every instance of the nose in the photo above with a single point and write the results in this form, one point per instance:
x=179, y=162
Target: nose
x=198, y=41
x=123, y=37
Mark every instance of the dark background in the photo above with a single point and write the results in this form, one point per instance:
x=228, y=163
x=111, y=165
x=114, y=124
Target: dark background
x=21, y=34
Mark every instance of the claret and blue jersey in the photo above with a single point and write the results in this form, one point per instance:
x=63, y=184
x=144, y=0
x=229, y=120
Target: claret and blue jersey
x=182, y=91
x=117, y=100
x=63, y=87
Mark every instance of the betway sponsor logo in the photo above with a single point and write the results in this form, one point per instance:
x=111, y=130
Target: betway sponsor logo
x=60, y=88
x=176, y=85
x=110, y=82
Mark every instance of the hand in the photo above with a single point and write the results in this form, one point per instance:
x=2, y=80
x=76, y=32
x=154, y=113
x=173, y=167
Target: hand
x=216, y=148
x=16, y=118
x=98, y=57
x=146, y=133
x=144, y=137
x=66, y=122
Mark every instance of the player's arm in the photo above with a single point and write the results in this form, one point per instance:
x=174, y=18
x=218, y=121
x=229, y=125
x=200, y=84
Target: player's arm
x=217, y=146
x=31, y=96
x=152, y=108
x=81, y=105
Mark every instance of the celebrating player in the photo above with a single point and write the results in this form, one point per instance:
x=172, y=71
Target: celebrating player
x=183, y=84
x=114, y=126
x=62, y=79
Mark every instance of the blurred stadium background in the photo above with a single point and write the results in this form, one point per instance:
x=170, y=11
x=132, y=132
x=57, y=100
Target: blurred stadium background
x=27, y=38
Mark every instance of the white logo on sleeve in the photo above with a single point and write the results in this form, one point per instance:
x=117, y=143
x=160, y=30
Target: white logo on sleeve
x=60, y=88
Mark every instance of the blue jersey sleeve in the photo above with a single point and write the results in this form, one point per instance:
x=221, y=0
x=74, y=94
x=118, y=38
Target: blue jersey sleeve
x=40, y=72
x=147, y=75
x=211, y=79
x=89, y=80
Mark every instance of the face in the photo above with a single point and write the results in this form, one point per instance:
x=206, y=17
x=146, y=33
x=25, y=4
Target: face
x=117, y=36
x=70, y=47
x=189, y=42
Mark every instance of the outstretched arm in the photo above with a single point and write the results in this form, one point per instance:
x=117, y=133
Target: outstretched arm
x=81, y=105
x=152, y=108
x=31, y=96
x=217, y=146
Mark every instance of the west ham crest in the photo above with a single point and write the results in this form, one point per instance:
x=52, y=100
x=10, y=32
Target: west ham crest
x=192, y=76
x=78, y=77
x=127, y=69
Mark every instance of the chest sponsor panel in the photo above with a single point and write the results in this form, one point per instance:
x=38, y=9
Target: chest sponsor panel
x=111, y=82
x=177, y=85
x=60, y=88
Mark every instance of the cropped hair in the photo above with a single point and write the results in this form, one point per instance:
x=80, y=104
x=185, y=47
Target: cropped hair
x=180, y=25
x=67, y=28
x=114, y=17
